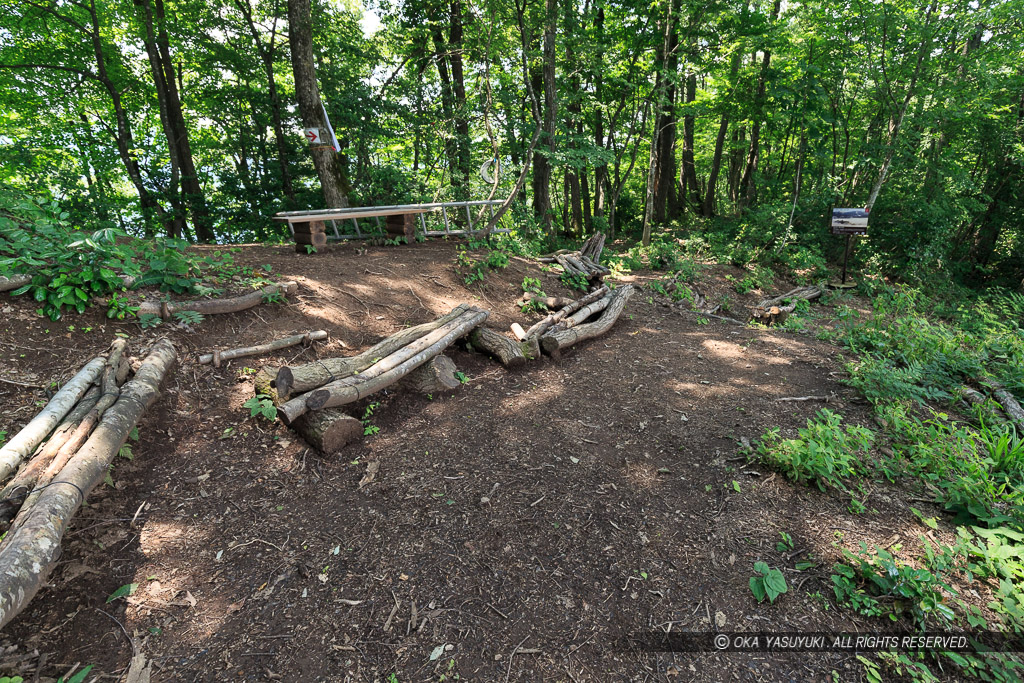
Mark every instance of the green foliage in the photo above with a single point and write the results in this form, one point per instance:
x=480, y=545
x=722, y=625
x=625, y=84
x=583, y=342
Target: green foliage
x=575, y=281
x=188, y=318
x=767, y=582
x=261, y=405
x=824, y=452
x=532, y=286
x=79, y=677
x=877, y=584
x=478, y=268
x=369, y=428
x=123, y=592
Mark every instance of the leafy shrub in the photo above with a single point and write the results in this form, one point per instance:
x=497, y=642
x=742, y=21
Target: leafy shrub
x=877, y=584
x=767, y=582
x=824, y=452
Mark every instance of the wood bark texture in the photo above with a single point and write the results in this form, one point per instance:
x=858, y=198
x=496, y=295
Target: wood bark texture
x=13, y=282
x=436, y=376
x=510, y=353
x=216, y=306
x=25, y=442
x=556, y=341
x=540, y=328
x=391, y=369
x=30, y=550
x=292, y=380
x=218, y=357
x=328, y=431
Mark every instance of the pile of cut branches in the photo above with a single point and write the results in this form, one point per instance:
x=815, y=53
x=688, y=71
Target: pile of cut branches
x=585, y=262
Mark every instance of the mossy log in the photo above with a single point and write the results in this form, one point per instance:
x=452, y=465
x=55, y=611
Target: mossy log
x=510, y=353
x=31, y=549
x=298, y=379
x=391, y=369
x=1007, y=400
x=165, y=309
x=556, y=341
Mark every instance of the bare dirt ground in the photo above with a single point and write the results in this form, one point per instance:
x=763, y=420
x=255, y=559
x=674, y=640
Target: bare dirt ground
x=558, y=508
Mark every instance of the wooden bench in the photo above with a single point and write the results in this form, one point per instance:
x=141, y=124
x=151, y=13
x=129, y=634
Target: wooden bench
x=309, y=228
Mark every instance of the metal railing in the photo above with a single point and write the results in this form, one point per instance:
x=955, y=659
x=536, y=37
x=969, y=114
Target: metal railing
x=448, y=225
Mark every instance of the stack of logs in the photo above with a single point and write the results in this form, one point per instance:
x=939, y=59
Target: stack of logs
x=52, y=464
x=585, y=263
x=776, y=310
x=309, y=397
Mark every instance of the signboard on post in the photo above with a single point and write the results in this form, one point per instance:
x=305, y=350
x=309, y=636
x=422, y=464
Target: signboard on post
x=312, y=135
x=849, y=221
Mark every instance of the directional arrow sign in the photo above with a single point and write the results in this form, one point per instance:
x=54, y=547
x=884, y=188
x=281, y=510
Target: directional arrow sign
x=313, y=135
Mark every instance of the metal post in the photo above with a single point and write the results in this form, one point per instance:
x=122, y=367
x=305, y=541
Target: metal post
x=359, y=234
x=444, y=214
x=334, y=224
x=469, y=220
x=846, y=257
x=423, y=224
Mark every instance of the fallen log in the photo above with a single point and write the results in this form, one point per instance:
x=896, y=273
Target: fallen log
x=109, y=393
x=436, y=376
x=13, y=495
x=25, y=442
x=8, y=283
x=556, y=341
x=165, y=309
x=552, y=302
x=587, y=311
x=302, y=378
x=217, y=357
x=327, y=431
x=390, y=369
x=1007, y=401
x=511, y=354
x=31, y=549
x=541, y=328
x=772, y=310
x=976, y=398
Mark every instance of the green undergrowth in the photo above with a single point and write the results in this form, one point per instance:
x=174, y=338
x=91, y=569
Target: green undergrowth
x=73, y=267
x=911, y=356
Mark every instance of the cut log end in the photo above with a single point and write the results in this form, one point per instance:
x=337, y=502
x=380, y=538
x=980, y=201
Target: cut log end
x=328, y=431
x=436, y=376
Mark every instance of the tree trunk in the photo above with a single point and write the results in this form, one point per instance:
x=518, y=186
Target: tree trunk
x=510, y=353
x=748, y=185
x=436, y=376
x=542, y=161
x=325, y=158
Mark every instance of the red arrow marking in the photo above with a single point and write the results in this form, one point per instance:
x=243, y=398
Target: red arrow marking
x=311, y=135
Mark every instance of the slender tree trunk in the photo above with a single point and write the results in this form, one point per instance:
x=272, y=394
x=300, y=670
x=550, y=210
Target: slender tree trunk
x=665, y=197
x=748, y=184
x=460, y=178
x=601, y=169
x=325, y=158
x=652, y=167
x=542, y=161
x=689, y=170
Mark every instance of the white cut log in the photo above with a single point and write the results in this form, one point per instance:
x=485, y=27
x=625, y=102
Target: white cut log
x=26, y=441
x=13, y=282
x=31, y=549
